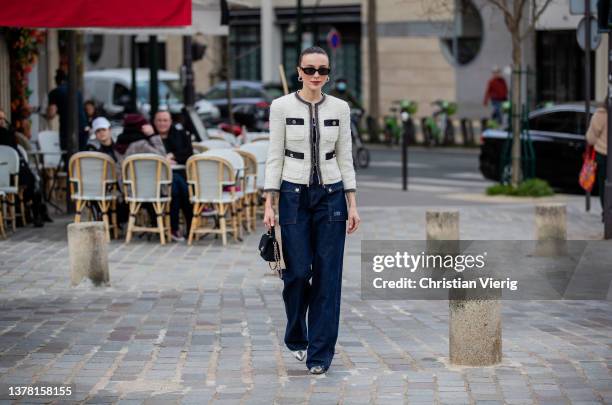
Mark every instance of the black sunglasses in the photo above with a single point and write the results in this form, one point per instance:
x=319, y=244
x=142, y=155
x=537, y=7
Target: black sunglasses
x=323, y=71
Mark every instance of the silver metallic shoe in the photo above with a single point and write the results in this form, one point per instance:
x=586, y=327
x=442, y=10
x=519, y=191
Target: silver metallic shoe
x=317, y=370
x=299, y=354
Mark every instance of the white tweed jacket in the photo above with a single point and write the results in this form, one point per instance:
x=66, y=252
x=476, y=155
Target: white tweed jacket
x=291, y=153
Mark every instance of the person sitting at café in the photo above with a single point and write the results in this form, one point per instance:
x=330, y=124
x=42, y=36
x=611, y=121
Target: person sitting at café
x=104, y=140
x=32, y=193
x=179, y=148
x=138, y=136
x=104, y=144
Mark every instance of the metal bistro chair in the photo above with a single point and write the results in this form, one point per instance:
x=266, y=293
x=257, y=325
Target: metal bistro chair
x=210, y=144
x=260, y=150
x=147, y=178
x=237, y=162
x=257, y=137
x=2, y=232
x=219, y=134
x=9, y=183
x=93, y=180
x=53, y=173
x=250, y=186
x=206, y=176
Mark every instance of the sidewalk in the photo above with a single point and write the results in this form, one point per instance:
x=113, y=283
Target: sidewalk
x=205, y=324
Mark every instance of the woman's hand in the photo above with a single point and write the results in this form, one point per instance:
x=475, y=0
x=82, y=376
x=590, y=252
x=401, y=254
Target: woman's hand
x=269, y=215
x=353, y=220
x=353, y=215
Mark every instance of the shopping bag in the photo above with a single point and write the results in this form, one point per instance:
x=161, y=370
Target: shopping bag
x=588, y=173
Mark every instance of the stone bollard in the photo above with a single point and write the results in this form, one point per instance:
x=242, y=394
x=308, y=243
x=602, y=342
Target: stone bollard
x=442, y=225
x=551, y=229
x=88, y=249
x=474, y=322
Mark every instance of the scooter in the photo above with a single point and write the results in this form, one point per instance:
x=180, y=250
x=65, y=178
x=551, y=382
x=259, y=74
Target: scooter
x=438, y=128
x=394, y=124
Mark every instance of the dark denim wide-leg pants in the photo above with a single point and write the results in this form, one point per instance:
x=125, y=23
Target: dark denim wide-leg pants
x=313, y=227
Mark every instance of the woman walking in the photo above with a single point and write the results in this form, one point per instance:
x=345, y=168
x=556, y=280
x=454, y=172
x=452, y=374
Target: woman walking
x=597, y=135
x=310, y=165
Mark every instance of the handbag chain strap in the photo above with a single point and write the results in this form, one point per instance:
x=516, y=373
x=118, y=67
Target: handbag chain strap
x=277, y=264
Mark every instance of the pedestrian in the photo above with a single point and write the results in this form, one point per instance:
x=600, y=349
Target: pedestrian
x=497, y=93
x=58, y=105
x=597, y=135
x=310, y=165
x=179, y=148
x=91, y=112
x=341, y=91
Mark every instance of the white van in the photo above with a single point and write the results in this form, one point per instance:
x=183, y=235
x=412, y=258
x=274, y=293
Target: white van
x=110, y=88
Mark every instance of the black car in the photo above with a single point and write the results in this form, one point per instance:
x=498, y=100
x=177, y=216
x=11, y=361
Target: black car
x=558, y=136
x=244, y=92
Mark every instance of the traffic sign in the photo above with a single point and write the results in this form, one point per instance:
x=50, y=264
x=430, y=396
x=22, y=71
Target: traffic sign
x=595, y=36
x=333, y=39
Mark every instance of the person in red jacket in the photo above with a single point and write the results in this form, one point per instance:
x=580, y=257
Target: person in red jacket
x=497, y=92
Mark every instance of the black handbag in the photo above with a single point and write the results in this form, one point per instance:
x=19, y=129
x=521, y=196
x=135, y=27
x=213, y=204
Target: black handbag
x=269, y=250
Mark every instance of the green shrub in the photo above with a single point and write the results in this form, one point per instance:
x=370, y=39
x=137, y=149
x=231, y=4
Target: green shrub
x=528, y=188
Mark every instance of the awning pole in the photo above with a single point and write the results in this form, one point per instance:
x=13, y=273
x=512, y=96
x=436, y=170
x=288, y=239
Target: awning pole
x=189, y=90
x=153, y=81
x=73, y=108
x=133, y=66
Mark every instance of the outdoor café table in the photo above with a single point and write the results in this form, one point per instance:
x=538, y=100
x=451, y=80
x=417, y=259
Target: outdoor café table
x=36, y=154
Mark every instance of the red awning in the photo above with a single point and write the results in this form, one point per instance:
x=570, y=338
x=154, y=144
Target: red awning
x=96, y=13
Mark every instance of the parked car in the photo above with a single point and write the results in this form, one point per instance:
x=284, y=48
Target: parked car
x=111, y=90
x=244, y=92
x=558, y=135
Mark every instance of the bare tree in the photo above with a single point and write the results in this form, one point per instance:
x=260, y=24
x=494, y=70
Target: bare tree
x=515, y=12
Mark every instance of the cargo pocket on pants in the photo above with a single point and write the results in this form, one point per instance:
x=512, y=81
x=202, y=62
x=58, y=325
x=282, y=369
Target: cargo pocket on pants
x=336, y=202
x=288, y=203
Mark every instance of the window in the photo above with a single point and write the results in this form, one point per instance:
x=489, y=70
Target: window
x=169, y=92
x=119, y=92
x=463, y=43
x=246, y=92
x=560, y=121
x=274, y=92
x=94, y=45
x=216, y=94
x=582, y=125
x=245, y=52
x=560, y=67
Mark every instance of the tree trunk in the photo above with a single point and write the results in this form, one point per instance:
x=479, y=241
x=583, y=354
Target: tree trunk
x=516, y=109
x=373, y=61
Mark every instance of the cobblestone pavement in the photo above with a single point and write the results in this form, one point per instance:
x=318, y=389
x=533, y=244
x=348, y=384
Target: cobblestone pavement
x=204, y=324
